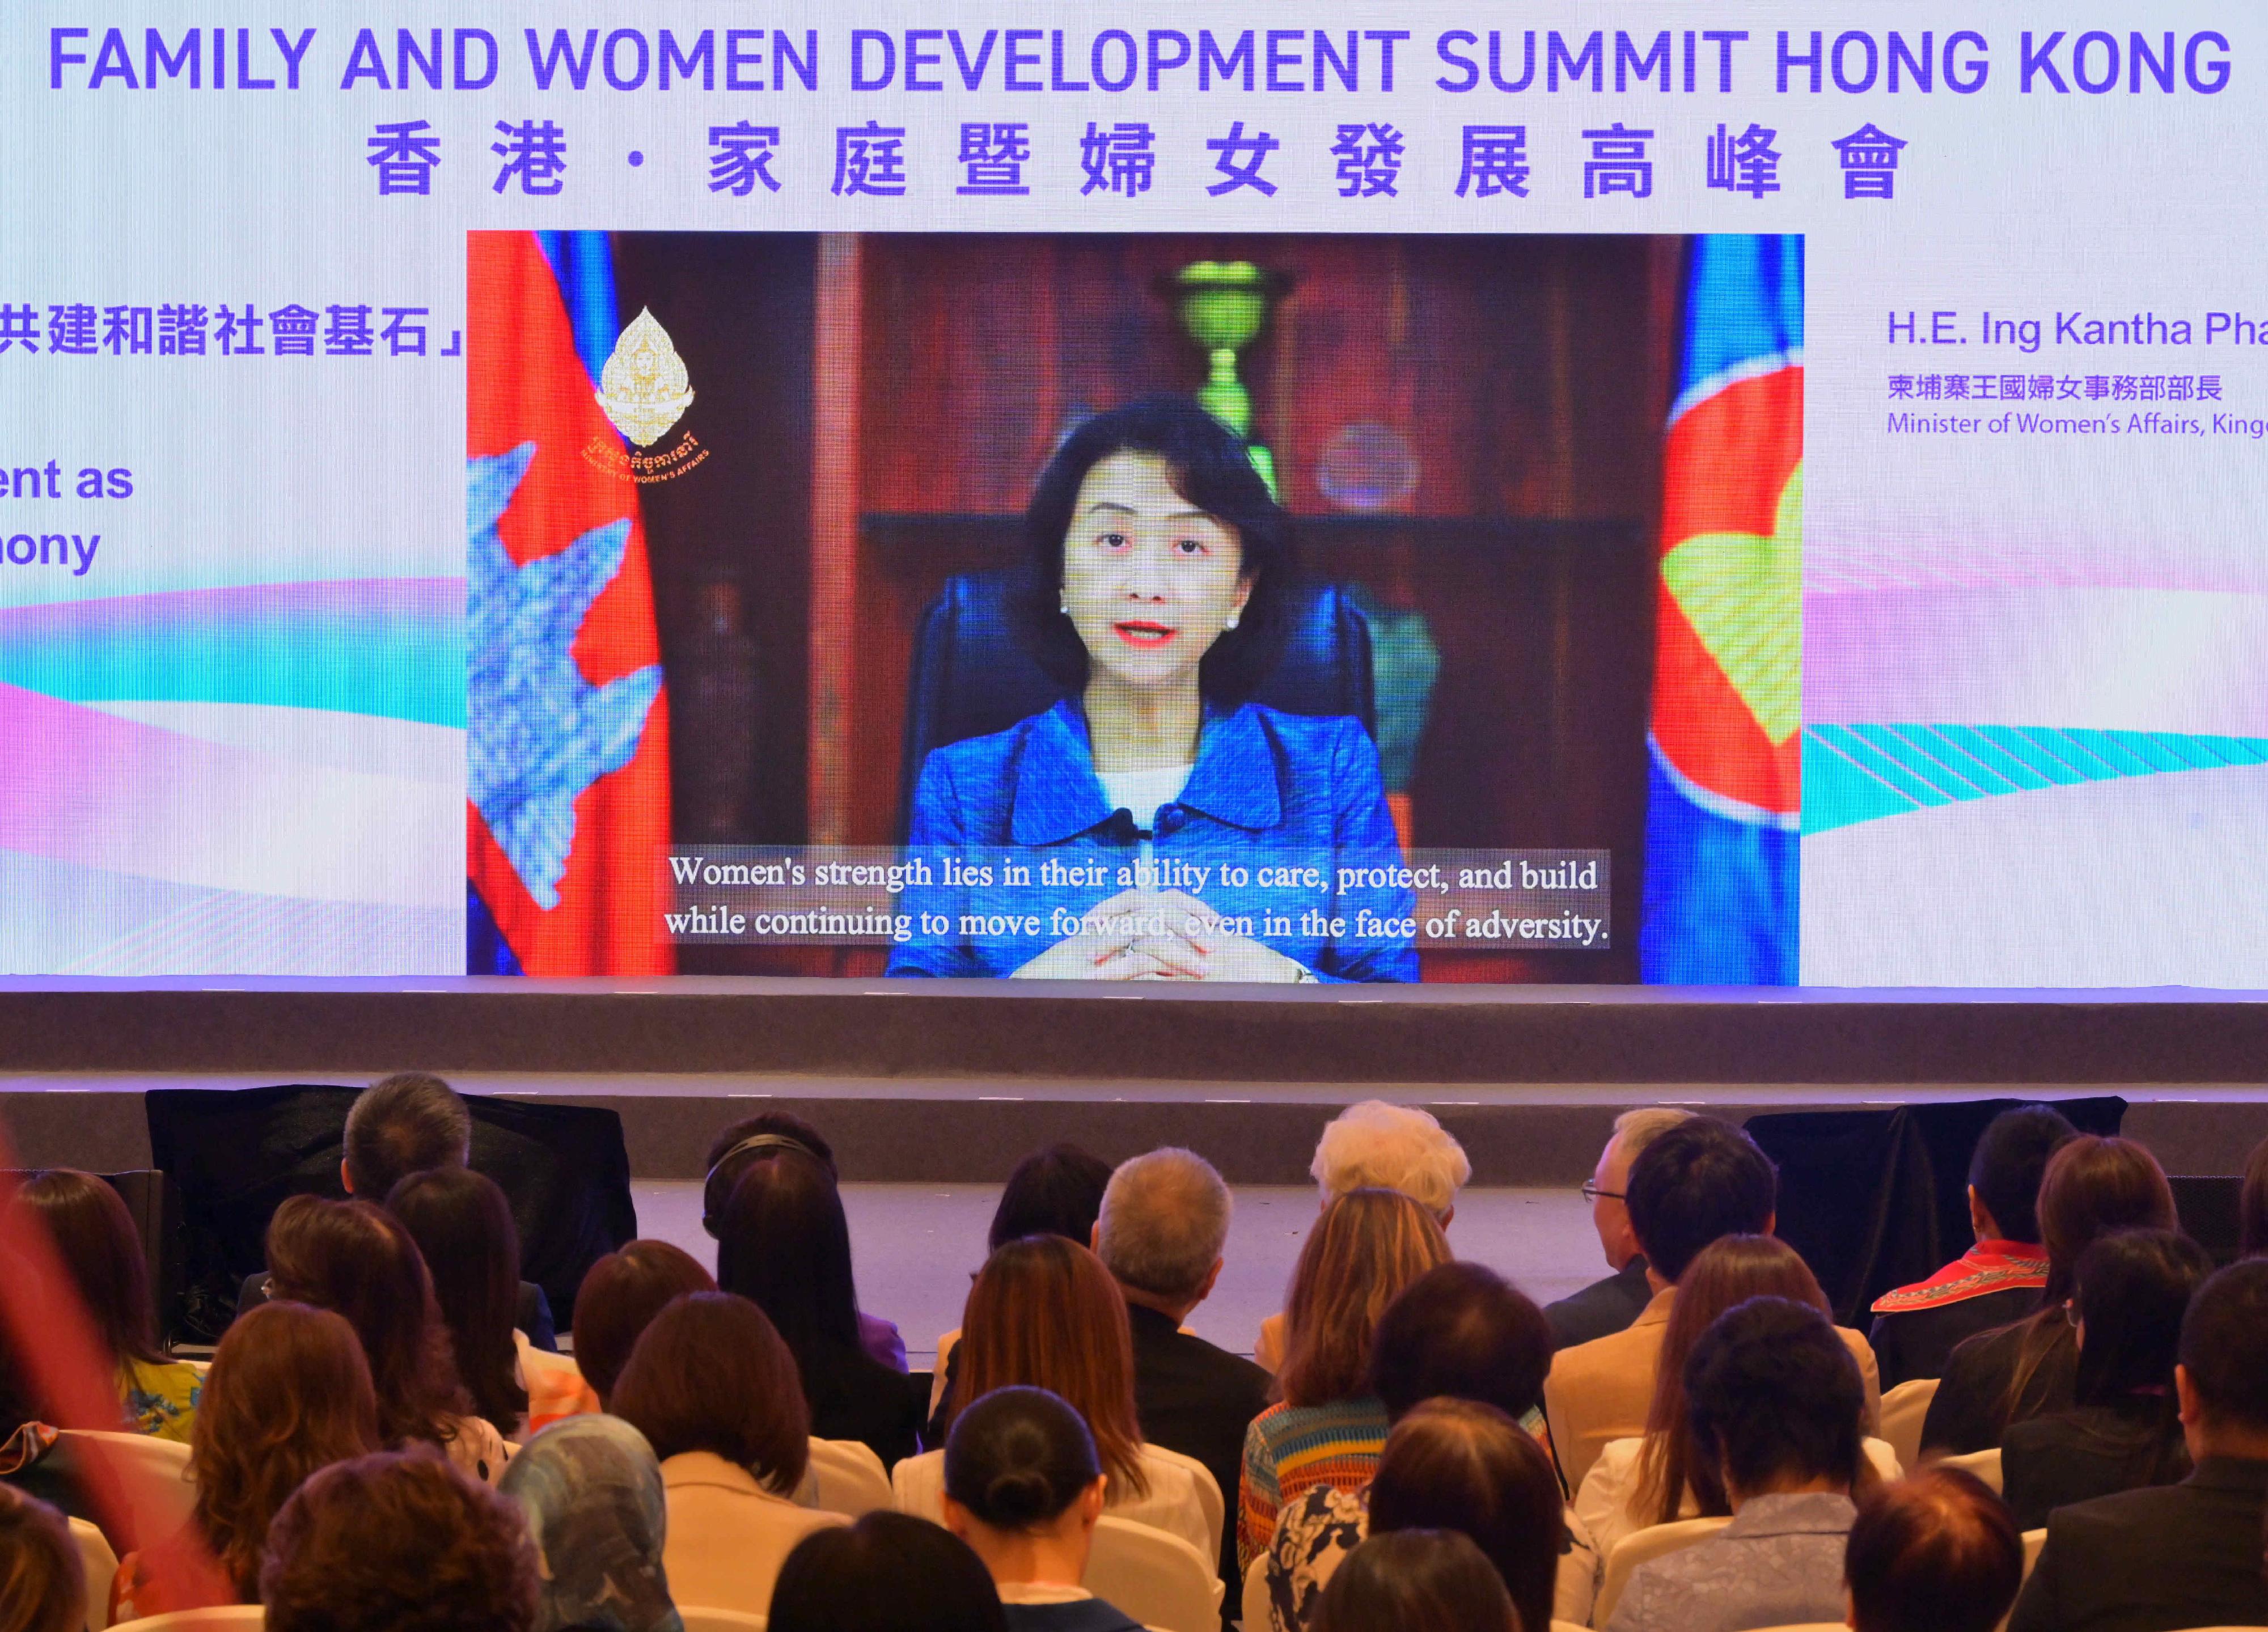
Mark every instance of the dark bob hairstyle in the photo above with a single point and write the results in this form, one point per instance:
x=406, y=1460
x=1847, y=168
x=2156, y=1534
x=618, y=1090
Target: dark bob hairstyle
x=1212, y=469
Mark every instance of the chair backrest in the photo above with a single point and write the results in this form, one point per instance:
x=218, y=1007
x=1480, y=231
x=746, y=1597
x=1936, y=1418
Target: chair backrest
x=1209, y=1496
x=154, y=1473
x=972, y=674
x=2034, y=1540
x=1255, y=1597
x=1159, y=1580
x=99, y=1565
x=1643, y=1545
x=699, y=1620
x=1904, y=1409
x=242, y=1617
x=1984, y=1464
x=852, y=1482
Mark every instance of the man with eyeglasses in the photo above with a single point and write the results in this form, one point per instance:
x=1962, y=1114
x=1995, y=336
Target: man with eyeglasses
x=1608, y=1306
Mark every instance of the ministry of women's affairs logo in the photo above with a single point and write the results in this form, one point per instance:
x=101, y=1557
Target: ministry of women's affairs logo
x=645, y=390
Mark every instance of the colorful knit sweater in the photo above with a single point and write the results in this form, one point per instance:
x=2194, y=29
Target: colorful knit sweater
x=1290, y=1450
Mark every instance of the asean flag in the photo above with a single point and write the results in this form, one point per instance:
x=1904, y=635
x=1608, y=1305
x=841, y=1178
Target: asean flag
x=1726, y=789
x=567, y=738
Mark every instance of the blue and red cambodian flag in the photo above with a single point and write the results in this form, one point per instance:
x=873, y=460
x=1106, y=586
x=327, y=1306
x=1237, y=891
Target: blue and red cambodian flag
x=1725, y=802
x=567, y=730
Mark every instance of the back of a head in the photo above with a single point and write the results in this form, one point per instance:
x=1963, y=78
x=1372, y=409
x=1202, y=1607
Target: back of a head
x=752, y=1140
x=784, y=1244
x=889, y=1572
x=2224, y=1347
x=289, y=1392
x=1936, y=1551
x=592, y=1497
x=101, y=1250
x=1417, y=1581
x=1639, y=1127
x=1163, y=1224
x=1377, y=1146
x=1463, y=1332
x=1368, y=1246
x=620, y=1296
x=2132, y=1288
x=1018, y=1458
x=1454, y=1465
x=2092, y=1186
x=1695, y=1182
x=2011, y=1156
x=711, y=1374
x=1056, y=1191
x=1773, y=1397
x=463, y=1228
x=400, y=1125
x=398, y=1542
x=41, y=1587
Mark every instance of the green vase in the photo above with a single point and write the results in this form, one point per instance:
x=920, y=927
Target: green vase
x=1223, y=306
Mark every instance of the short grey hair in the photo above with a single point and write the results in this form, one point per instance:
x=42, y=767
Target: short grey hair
x=1376, y=1145
x=1635, y=1130
x=411, y=1122
x=1164, y=1223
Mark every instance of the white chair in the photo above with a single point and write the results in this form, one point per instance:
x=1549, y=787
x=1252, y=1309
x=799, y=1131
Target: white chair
x=1642, y=1547
x=1256, y=1596
x=1209, y=1496
x=2034, y=1540
x=234, y=1618
x=1809, y=1626
x=152, y=1472
x=1904, y=1409
x=99, y=1565
x=1984, y=1464
x=1570, y=1626
x=1159, y=1580
x=852, y=1482
x=719, y=1619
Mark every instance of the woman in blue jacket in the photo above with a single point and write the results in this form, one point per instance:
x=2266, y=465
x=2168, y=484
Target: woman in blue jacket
x=1157, y=824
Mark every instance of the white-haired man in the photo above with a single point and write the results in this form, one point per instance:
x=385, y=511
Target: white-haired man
x=1608, y=1306
x=1161, y=1233
x=1376, y=1146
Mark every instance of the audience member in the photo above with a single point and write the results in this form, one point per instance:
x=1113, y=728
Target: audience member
x=784, y=1244
x=591, y=1494
x=1418, y=1580
x=33, y=1460
x=41, y=1587
x=463, y=1229
x=413, y=1123
x=1329, y=1428
x=713, y=1388
x=1997, y=1281
x=1775, y=1400
x=101, y=1252
x=2186, y=1554
x=1161, y=1233
x=2252, y=1204
x=619, y=1299
x=1377, y=1146
x=289, y=1393
x=1692, y=1184
x=2005, y=1375
x=1932, y=1553
x=1608, y=1306
x=886, y=1573
x=759, y=1138
x=1044, y=1314
x=2129, y=1294
x=1024, y=1488
x=1654, y=1479
x=398, y=1541
x=1457, y=1332
x=357, y=1259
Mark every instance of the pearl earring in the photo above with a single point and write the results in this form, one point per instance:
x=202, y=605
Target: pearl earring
x=1231, y=623
x=1062, y=609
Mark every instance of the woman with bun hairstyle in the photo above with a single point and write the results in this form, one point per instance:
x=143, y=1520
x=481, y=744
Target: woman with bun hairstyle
x=1024, y=1488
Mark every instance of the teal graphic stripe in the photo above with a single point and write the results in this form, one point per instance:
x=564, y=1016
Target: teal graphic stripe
x=1855, y=773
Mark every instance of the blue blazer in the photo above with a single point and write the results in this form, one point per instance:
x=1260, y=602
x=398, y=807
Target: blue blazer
x=1268, y=790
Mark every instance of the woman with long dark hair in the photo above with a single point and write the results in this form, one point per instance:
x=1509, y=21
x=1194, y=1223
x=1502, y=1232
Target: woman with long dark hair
x=1157, y=596
x=2129, y=1293
x=462, y=1225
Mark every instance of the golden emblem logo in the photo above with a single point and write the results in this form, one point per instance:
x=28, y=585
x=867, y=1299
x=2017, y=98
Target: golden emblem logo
x=645, y=390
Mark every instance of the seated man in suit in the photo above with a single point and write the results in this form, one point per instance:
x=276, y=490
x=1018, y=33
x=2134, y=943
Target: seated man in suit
x=1163, y=1225
x=412, y=1123
x=1695, y=1182
x=1998, y=1280
x=2169, y=1556
x=1608, y=1306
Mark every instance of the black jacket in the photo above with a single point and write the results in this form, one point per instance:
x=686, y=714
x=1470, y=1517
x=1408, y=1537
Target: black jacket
x=1197, y=1400
x=2076, y=1456
x=1970, y=1411
x=1920, y=1342
x=854, y=1396
x=531, y=1313
x=2155, y=1560
x=1600, y=1309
